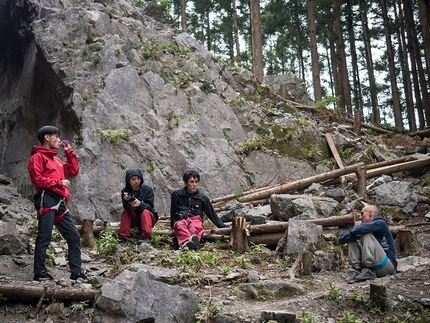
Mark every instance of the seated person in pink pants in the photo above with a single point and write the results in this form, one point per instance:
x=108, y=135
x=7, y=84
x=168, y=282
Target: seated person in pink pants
x=186, y=212
x=138, y=202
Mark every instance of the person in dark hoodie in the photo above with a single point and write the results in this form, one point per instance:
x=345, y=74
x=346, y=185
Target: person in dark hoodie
x=138, y=202
x=371, y=248
x=48, y=174
x=186, y=212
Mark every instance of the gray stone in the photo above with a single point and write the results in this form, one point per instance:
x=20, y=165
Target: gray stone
x=277, y=316
x=11, y=242
x=269, y=289
x=166, y=275
x=286, y=206
x=395, y=193
x=134, y=297
x=302, y=236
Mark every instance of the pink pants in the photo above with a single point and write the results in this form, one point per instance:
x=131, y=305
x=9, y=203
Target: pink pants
x=129, y=219
x=185, y=228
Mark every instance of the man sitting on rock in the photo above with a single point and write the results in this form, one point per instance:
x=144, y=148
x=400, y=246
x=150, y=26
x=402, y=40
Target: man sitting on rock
x=138, y=202
x=371, y=248
x=186, y=212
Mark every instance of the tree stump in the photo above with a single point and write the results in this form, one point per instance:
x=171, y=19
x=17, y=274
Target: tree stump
x=406, y=242
x=379, y=294
x=307, y=264
x=87, y=233
x=239, y=235
x=90, y=34
x=361, y=178
x=357, y=122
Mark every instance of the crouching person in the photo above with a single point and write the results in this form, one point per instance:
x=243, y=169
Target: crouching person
x=371, y=248
x=186, y=212
x=138, y=202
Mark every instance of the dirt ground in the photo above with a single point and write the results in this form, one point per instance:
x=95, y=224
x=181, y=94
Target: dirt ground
x=328, y=298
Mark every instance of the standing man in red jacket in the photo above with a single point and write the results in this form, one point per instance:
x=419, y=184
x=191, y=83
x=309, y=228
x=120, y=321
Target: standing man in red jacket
x=48, y=174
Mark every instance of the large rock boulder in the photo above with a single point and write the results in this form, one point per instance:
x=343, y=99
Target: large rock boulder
x=286, y=206
x=134, y=297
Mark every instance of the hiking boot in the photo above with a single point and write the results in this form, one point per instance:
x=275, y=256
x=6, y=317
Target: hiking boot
x=352, y=279
x=366, y=274
x=123, y=241
x=44, y=275
x=77, y=276
x=195, y=240
x=143, y=240
x=189, y=244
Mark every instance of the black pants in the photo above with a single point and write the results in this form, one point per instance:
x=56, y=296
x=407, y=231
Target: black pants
x=67, y=229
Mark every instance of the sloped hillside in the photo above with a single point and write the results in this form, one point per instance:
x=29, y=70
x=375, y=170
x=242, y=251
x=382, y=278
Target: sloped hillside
x=129, y=91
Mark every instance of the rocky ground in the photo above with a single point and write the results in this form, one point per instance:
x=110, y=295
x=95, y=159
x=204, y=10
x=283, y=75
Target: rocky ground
x=327, y=297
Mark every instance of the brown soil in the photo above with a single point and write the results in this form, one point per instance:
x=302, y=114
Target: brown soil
x=328, y=298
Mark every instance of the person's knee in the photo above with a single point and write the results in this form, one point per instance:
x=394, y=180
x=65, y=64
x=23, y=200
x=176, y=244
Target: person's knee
x=73, y=237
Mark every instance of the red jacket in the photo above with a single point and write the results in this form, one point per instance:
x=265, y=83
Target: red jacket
x=47, y=170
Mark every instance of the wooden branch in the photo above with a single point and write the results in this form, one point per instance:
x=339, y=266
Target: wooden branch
x=368, y=126
x=298, y=184
x=39, y=303
x=333, y=149
x=31, y=293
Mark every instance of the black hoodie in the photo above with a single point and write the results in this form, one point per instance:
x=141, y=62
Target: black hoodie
x=145, y=194
x=192, y=204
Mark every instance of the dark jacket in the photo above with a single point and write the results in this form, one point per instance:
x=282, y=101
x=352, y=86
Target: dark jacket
x=145, y=194
x=379, y=228
x=192, y=204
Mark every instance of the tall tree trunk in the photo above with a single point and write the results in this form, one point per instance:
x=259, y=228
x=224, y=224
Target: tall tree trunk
x=333, y=57
x=183, y=15
x=345, y=100
x=236, y=31
x=398, y=121
x=404, y=62
x=299, y=44
x=208, y=31
x=314, y=53
x=369, y=62
x=330, y=71
x=424, y=14
x=356, y=86
x=416, y=50
x=256, y=40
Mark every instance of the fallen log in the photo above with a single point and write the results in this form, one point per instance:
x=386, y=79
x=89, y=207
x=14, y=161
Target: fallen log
x=385, y=163
x=391, y=169
x=421, y=133
x=298, y=184
x=388, y=162
x=341, y=220
x=368, y=126
x=33, y=293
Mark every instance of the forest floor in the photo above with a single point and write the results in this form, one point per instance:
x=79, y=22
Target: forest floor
x=327, y=297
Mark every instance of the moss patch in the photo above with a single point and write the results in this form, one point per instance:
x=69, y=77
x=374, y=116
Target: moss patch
x=396, y=213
